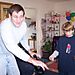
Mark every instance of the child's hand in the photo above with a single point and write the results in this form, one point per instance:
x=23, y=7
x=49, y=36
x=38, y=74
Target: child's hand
x=51, y=58
x=54, y=55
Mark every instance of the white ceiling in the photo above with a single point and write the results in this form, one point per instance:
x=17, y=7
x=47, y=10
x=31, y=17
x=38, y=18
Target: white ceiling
x=58, y=0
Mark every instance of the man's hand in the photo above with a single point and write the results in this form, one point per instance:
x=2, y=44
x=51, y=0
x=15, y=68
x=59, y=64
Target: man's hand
x=33, y=53
x=38, y=63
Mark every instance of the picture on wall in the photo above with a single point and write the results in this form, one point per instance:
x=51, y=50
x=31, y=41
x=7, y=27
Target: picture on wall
x=56, y=33
x=56, y=27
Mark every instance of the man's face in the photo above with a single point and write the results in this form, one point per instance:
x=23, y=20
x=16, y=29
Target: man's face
x=17, y=18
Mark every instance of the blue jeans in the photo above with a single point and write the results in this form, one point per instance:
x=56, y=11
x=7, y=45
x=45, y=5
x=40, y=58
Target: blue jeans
x=8, y=65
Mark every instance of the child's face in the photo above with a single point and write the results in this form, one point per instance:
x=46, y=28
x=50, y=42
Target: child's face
x=69, y=33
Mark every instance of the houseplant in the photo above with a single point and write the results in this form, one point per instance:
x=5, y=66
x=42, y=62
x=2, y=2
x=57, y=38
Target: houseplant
x=46, y=48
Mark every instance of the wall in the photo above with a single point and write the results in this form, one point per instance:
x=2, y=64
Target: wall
x=41, y=7
x=62, y=7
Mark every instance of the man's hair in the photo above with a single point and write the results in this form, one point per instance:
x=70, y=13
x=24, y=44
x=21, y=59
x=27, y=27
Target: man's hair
x=17, y=8
x=67, y=26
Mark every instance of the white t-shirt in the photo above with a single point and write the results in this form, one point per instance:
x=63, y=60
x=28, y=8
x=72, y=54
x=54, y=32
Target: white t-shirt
x=11, y=36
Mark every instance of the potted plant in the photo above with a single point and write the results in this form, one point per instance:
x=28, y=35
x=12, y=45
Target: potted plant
x=46, y=48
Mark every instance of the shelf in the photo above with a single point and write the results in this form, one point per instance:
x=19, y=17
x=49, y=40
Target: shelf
x=50, y=25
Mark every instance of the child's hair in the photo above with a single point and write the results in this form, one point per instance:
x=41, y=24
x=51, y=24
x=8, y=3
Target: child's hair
x=67, y=26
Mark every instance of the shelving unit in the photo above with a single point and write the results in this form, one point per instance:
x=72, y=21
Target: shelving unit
x=50, y=26
x=31, y=32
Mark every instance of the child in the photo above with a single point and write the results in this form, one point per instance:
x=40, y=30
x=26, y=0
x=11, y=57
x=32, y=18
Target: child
x=65, y=50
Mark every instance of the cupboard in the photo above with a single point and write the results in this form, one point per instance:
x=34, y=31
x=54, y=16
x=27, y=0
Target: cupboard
x=3, y=10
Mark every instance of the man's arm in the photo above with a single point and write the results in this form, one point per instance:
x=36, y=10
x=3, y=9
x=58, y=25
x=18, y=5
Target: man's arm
x=38, y=63
x=10, y=44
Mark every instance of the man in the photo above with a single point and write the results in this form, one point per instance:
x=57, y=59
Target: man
x=12, y=33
